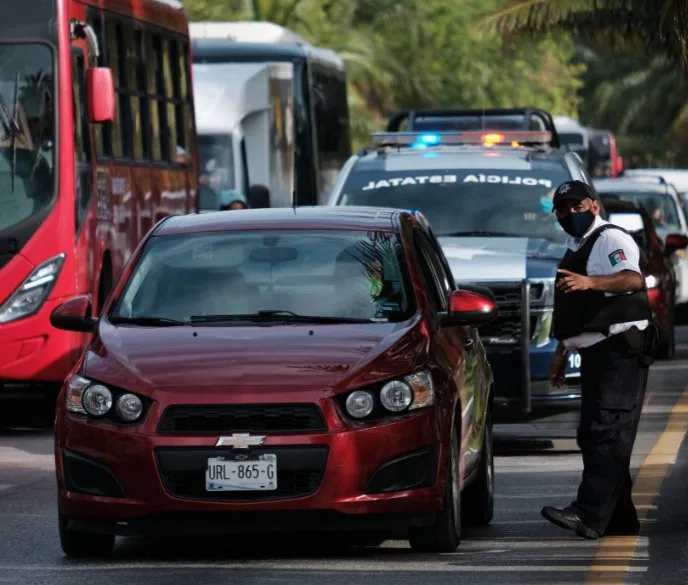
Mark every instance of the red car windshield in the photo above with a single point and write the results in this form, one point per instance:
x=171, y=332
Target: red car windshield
x=325, y=274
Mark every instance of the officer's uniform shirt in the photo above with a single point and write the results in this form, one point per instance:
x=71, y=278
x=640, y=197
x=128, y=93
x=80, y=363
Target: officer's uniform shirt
x=613, y=252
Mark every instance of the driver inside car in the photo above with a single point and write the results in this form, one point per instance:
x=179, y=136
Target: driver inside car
x=359, y=284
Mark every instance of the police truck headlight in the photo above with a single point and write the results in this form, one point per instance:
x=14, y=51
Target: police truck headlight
x=651, y=281
x=32, y=293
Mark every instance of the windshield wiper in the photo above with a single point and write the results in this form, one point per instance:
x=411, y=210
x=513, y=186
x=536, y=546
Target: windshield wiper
x=10, y=124
x=276, y=315
x=479, y=233
x=147, y=321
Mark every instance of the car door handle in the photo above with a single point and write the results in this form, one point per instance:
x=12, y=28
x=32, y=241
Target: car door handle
x=469, y=343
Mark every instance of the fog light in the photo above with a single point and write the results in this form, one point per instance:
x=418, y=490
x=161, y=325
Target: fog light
x=97, y=400
x=129, y=407
x=360, y=403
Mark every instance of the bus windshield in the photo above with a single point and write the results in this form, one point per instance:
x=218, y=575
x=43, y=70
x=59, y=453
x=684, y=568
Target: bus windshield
x=466, y=202
x=27, y=131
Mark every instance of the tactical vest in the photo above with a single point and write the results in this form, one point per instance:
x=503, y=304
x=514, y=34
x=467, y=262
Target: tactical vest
x=591, y=311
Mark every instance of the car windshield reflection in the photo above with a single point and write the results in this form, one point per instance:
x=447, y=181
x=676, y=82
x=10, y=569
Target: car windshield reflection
x=258, y=277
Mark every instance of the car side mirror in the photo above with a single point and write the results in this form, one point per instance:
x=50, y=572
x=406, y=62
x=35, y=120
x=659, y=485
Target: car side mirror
x=258, y=197
x=675, y=242
x=469, y=308
x=100, y=88
x=74, y=315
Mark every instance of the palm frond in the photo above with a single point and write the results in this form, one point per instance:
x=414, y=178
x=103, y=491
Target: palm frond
x=662, y=25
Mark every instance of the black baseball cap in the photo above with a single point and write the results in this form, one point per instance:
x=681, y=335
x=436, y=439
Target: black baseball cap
x=573, y=191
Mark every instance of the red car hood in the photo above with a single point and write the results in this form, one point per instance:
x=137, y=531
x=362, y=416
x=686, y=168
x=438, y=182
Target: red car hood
x=322, y=357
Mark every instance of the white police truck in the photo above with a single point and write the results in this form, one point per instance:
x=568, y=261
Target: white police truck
x=484, y=179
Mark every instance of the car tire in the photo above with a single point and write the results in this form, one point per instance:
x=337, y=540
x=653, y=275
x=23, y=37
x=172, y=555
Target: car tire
x=85, y=545
x=667, y=347
x=478, y=498
x=444, y=534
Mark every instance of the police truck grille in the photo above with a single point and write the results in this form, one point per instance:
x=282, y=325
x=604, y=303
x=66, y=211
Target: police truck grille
x=229, y=418
x=505, y=330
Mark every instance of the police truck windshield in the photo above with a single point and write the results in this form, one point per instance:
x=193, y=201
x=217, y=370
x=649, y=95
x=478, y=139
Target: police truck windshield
x=466, y=202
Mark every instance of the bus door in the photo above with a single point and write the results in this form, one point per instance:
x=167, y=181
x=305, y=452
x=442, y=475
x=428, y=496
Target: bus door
x=84, y=224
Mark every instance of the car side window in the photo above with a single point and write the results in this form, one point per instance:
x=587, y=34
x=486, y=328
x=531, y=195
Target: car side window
x=437, y=299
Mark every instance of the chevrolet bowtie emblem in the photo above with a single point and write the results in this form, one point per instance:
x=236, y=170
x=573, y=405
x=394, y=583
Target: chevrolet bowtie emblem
x=240, y=441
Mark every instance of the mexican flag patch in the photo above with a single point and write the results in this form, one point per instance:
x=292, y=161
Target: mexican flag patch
x=617, y=256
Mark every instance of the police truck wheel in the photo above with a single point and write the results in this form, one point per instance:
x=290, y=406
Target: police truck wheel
x=84, y=545
x=478, y=498
x=667, y=347
x=444, y=534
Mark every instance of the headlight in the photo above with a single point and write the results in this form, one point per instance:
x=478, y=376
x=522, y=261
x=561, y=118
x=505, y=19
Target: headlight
x=396, y=396
x=129, y=407
x=32, y=293
x=97, y=400
x=90, y=398
x=651, y=281
x=360, y=404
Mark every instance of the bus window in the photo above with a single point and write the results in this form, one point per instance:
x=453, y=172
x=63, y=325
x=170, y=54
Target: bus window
x=27, y=181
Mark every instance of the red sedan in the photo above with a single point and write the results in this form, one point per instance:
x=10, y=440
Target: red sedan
x=278, y=369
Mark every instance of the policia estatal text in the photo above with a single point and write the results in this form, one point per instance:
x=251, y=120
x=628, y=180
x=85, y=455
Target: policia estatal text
x=601, y=310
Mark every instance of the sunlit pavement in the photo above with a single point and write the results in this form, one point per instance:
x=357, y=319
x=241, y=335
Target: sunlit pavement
x=519, y=546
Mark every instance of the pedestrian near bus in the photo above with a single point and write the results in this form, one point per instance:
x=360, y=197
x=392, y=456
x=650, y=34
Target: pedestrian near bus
x=601, y=310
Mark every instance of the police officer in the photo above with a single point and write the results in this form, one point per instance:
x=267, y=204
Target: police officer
x=601, y=310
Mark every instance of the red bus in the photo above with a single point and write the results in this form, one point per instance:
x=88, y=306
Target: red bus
x=97, y=143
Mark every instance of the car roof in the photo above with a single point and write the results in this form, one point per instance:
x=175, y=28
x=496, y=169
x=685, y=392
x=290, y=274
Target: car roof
x=316, y=217
x=460, y=157
x=630, y=185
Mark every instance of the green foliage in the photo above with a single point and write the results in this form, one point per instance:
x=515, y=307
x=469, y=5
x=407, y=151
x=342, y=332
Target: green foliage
x=662, y=25
x=420, y=53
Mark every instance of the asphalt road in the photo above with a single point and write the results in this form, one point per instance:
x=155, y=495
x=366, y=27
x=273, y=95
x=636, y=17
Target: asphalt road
x=518, y=548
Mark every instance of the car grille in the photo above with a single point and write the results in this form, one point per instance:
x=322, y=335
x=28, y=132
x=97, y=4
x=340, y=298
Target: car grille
x=227, y=418
x=299, y=473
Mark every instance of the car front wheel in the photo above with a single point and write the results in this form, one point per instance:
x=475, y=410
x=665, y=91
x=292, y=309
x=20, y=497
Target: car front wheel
x=444, y=534
x=478, y=498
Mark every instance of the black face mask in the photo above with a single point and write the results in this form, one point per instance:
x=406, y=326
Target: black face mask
x=576, y=224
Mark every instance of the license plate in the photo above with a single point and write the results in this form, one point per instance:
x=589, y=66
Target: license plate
x=241, y=473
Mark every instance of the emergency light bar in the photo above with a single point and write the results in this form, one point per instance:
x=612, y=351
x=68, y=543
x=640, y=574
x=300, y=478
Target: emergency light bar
x=483, y=120
x=424, y=140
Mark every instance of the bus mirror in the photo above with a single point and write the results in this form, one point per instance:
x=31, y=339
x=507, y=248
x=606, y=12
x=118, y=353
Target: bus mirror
x=101, y=94
x=74, y=315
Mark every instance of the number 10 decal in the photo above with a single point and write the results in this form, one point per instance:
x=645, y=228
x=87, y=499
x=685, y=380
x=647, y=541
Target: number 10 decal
x=574, y=361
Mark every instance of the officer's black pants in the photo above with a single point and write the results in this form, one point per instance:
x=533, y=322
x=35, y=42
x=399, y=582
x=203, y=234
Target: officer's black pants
x=613, y=381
